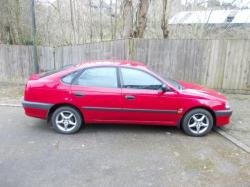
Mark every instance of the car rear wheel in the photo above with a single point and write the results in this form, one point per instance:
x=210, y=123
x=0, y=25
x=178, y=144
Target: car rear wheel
x=66, y=120
x=197, y=122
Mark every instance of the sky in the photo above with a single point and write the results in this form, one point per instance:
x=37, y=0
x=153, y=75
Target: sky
x=239, y=3
x=45, y=1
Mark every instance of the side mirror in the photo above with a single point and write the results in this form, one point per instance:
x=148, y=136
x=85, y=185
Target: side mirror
x=164, y=88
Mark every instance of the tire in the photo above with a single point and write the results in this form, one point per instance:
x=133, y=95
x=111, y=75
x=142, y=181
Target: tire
x=197, y=122
x=66, y=120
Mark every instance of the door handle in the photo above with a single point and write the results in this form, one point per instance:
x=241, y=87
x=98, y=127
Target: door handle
x=78, y=94
x=129, y=97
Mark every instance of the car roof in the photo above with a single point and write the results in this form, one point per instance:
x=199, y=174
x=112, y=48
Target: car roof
x=120, y=63
x=126, y=63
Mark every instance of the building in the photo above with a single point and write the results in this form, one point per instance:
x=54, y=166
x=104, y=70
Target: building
x=211, y=24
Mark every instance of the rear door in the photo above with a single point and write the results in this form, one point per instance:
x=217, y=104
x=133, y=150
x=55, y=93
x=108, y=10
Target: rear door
x=144, y=101
x=97, y=92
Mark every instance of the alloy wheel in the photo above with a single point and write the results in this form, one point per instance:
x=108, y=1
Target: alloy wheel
x=198, y=123
x=66, y=121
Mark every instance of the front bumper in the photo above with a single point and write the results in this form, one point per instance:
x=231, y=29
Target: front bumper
x=223, y=117
x=223, y=113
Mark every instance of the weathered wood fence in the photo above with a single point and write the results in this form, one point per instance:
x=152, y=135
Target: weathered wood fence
x=221, y=64
x=16, y=62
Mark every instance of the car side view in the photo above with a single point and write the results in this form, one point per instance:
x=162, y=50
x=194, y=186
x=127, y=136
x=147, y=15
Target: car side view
x=122, y=92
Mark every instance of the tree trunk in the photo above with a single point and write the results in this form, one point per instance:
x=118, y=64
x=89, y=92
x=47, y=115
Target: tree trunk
x=17, y=17
x=111, y=20
x=115, y=29
x=127, y=19
x=141, y=18
x=72, y=21
x=101, y=29
x=90, y=13
x=164, y=20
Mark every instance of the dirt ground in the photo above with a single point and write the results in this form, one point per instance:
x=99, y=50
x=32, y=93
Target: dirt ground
x=11, y=93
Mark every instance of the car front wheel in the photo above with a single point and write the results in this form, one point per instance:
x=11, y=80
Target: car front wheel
x=66, y=120
x=197, y=122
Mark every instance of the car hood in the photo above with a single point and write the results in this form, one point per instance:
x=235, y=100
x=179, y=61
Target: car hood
x=197, y=90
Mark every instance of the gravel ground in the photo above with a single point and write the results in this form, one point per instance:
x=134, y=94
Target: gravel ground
x=32, y=154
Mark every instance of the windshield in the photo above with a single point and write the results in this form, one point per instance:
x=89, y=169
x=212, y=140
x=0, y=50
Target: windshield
x=175, y=84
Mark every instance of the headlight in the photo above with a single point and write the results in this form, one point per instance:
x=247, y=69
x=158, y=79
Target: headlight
x=227, y=106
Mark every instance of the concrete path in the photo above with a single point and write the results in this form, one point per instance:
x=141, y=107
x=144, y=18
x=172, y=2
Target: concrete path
x=239, y=127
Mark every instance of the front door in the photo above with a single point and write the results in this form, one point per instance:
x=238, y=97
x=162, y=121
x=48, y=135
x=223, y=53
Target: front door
x=144, y=101
x=97, y=92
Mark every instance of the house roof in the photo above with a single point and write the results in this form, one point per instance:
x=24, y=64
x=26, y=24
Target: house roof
x=211, y=17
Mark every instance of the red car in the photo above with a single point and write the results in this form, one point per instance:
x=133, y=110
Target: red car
x=122, y=92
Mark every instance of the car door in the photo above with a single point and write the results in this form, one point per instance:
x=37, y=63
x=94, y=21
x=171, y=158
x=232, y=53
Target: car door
x=97, y=92
x=144, y=100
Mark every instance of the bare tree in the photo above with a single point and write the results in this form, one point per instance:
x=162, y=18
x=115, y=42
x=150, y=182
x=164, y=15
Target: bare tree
x=127, y=19
x=100, y=13
x=141, y=18
x=111, y=20
x=115, y=29
x=164, y=19
x=17, y=17
x=91, y=22
x=72, y=20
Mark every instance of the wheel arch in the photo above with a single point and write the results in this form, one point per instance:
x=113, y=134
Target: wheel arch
x=58, y=105
x=198, y=107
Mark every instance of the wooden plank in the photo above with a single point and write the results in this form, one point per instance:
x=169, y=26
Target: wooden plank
x=221, y=64
x=16, y=62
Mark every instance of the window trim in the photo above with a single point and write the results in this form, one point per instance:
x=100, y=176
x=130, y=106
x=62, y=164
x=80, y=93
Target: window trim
x=84, y=69
x=122, y=82
x=119, y=77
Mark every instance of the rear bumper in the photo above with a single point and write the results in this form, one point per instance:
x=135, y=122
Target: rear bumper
x=37, y=105
x=223, y=117
x=36, y=109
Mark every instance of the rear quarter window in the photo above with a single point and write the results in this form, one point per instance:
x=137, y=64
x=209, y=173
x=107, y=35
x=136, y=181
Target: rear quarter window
x=69, y=77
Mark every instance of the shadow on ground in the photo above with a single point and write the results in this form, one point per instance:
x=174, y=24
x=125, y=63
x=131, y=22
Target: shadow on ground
x=43, y=125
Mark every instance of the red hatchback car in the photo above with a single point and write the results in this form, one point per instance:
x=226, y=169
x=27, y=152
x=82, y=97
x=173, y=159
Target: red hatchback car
x=124, y=92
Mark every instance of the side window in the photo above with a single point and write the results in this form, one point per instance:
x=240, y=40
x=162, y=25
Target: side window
x=137, y=79
x=98, y=77
x=68, y=78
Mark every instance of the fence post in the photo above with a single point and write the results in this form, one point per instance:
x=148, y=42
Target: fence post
x=34, y=36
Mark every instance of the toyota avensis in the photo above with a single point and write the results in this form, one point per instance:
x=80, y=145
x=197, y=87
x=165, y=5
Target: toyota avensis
x=122, y=92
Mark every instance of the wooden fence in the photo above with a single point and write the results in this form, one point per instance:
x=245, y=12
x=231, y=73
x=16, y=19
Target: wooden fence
x=16, y=62
x=221, y=64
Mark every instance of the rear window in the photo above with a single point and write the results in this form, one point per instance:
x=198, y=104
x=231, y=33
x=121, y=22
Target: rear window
x=47, y=73
x=51, y=72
